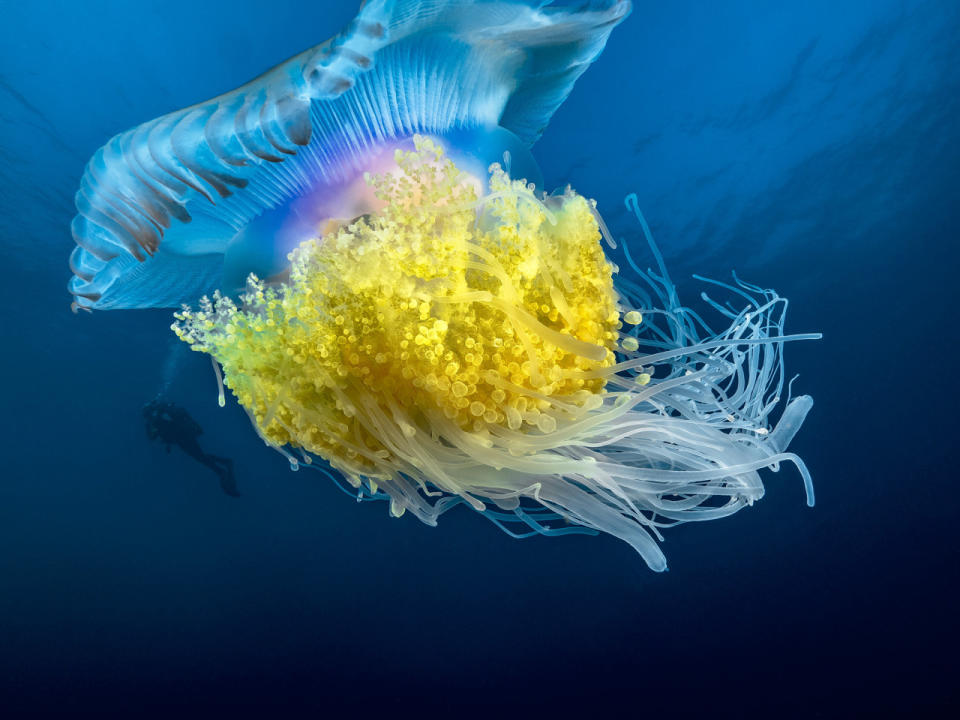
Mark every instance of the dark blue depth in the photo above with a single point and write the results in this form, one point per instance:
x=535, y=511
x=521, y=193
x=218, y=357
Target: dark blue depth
x=811, y=147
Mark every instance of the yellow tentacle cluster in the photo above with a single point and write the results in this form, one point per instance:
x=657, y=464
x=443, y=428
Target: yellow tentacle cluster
x=443, y=314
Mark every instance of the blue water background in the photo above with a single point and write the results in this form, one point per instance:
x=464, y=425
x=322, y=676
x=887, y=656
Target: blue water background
x=813, y=147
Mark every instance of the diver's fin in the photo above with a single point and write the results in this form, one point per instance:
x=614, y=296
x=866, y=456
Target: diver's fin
x=402, y=66
x=229, y=486
x=224, y=470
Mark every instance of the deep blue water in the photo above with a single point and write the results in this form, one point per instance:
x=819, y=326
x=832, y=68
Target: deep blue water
x=814, y=147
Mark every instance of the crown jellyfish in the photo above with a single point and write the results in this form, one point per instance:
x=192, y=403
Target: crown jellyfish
x=395, y=301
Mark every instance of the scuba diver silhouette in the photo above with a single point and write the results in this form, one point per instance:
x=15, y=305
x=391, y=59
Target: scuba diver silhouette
x=172, y=425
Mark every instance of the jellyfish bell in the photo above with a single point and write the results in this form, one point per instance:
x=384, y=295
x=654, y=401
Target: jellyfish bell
x=194, y=200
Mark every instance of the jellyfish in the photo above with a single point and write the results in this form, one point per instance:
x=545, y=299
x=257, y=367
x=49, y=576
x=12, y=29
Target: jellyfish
x=361, y=241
